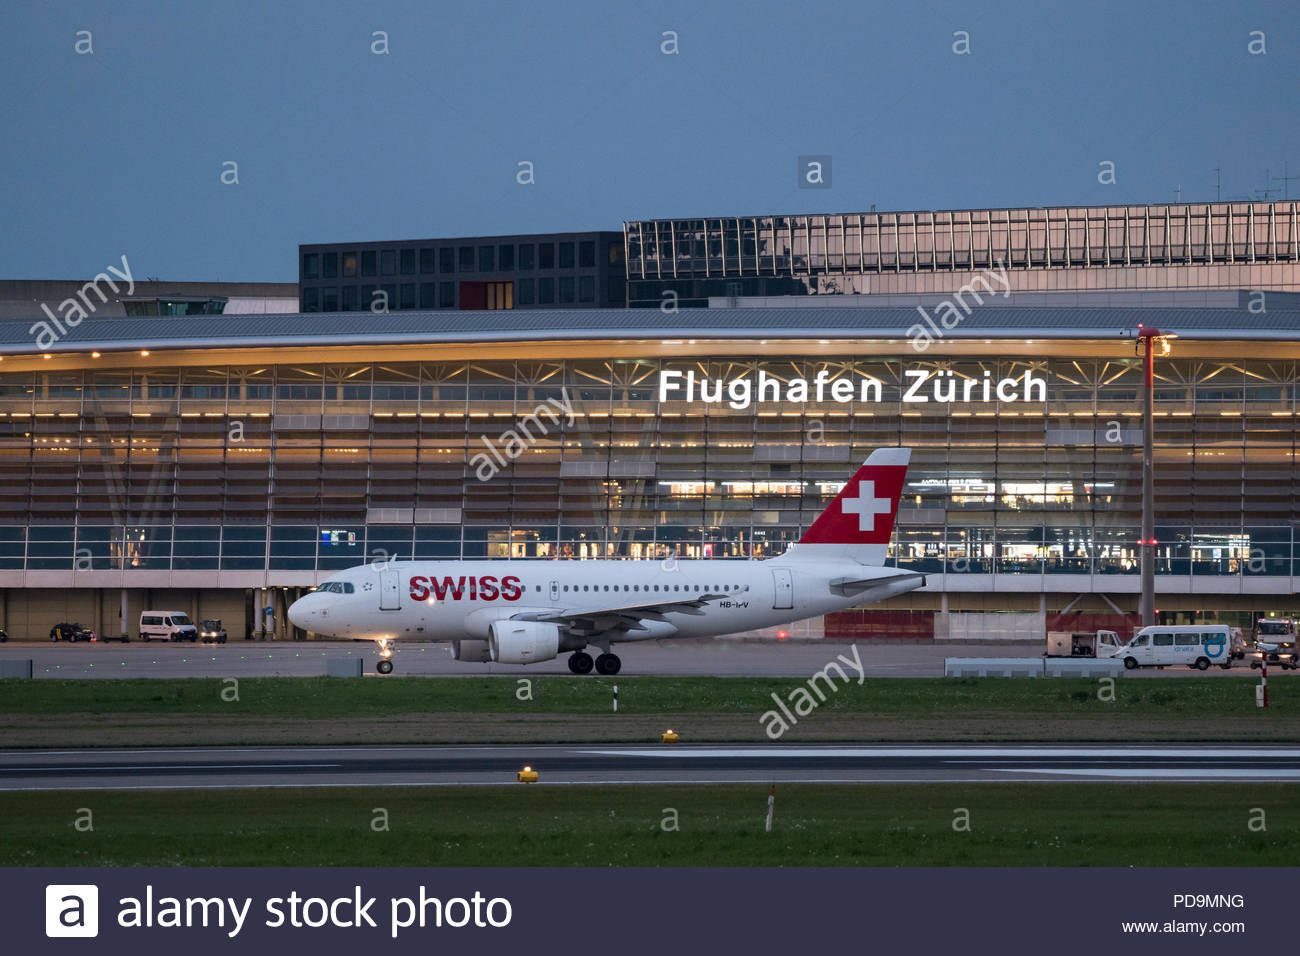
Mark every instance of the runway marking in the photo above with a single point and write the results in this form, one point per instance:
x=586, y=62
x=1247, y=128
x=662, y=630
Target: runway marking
x=136, y=767
x=966, y=752
x=658, y=782
x=1134, y=772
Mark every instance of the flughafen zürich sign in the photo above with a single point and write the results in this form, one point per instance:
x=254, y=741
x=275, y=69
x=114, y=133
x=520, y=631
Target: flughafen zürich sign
x=919, y=386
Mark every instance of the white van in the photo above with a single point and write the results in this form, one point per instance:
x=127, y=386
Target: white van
x=167, y=626
x=1189, y=645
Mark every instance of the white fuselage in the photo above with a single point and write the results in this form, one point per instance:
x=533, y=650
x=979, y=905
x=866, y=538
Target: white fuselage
x=459, y=600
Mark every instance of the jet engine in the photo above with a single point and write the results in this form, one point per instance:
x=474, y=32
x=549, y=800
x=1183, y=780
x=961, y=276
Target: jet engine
x=522, y=642
x=476, y=652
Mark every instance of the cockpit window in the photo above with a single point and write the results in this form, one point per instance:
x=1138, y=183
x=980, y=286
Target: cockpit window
x=337, y=587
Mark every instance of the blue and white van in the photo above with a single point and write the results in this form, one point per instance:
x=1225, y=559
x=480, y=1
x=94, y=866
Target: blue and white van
x=1171, y=645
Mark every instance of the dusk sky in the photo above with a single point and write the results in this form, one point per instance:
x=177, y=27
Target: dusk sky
x=121, y=150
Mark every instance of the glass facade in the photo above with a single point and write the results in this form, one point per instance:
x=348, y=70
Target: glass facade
x=341, y=277
x=317, y=467
x=1250, y=245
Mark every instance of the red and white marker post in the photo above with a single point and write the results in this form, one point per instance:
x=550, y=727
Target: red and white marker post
x=771, y=808
x=1263, y=681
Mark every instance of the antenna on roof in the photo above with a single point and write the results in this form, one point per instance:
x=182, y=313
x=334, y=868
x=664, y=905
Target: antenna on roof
x=1285, y=180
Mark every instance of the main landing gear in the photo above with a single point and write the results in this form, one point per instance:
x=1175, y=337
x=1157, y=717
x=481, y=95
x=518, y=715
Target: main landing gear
x=385, y=664
x=607, y=664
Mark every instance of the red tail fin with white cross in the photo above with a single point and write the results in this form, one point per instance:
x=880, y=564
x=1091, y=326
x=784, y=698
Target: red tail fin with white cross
x=860, y=521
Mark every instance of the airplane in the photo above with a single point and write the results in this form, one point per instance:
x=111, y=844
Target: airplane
x=526, y=611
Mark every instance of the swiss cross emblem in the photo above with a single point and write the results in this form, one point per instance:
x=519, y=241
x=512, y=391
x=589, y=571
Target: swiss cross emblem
x=866, y=505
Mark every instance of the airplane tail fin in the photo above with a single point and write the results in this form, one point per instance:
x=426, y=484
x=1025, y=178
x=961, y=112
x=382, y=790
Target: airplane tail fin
x=860, y=521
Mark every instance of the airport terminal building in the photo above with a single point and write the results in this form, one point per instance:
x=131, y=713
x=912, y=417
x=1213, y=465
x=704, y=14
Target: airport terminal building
x=221, y=464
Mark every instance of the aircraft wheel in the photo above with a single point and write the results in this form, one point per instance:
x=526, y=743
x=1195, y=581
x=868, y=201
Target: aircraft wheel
x=385, y=666
x=608, y=664
x=581, y=662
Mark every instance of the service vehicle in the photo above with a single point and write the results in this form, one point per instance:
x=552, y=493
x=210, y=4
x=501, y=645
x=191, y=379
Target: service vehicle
x=1173, y=645
x=167, y=626
x=1083, y=644
x=211, y=631
x=1275, y=642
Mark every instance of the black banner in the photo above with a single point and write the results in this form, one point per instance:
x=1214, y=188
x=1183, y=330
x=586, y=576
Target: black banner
x=631, y=911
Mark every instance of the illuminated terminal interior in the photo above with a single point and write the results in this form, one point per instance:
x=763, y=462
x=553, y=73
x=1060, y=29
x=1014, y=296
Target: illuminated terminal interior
x=221, y=477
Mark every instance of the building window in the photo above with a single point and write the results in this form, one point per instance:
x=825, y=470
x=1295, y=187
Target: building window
x=566, y=289
x=428, y=295
x=329, y=299
x=546, y=255
x=408, y=295
x=388, y=262
x=487, y=259
x=408, y=262
x=566, y=255
x=506, y=258
x=526, y=256
x=329, y=265
x=587, y=254
x=466, y=258
x=527, y=295
x=545, y=291
x=349, y=298
x=368, y=267
x=350, y=264
x=615, y=253
x=447, y=260
x=428, y=260
x=310, y=265
x=447, y=295
x=311, y=299
x=500, y=295
x=586, y=288
x=390, y=297
x=615, y=292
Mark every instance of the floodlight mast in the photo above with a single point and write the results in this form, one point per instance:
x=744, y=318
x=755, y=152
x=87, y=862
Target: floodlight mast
x=1149, y=339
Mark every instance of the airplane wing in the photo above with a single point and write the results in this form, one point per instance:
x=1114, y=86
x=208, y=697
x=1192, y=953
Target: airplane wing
x=625, y=617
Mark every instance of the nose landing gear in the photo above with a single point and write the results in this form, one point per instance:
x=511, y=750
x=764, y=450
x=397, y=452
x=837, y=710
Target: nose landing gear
x=385, y=664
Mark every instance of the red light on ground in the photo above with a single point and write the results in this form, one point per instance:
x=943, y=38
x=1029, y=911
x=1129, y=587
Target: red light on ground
x=781, y=635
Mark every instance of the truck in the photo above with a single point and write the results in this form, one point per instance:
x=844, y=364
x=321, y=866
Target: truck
x=1275, y=643
x=1083, y=644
